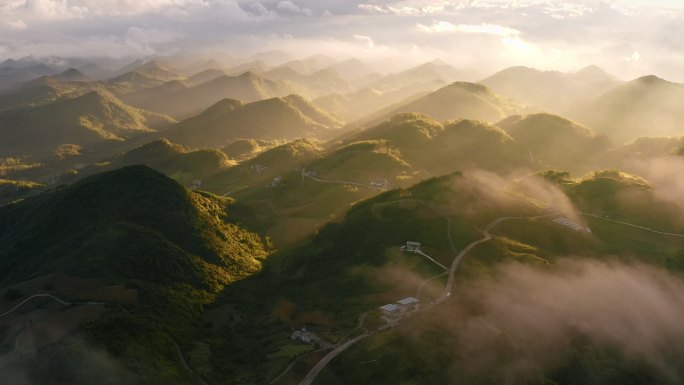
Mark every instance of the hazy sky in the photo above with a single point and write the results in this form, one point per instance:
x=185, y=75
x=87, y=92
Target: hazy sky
x=627, y=37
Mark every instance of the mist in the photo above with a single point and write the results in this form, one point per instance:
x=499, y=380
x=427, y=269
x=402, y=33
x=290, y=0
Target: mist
x=634, y=308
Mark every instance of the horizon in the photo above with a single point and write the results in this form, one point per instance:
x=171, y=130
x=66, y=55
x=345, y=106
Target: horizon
x=563, y=36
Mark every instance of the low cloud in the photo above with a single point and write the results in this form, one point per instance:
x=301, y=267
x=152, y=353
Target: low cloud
x=635, y=308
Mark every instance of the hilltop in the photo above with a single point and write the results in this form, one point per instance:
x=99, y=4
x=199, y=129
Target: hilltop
x=437, y=148
x=551, y=90
x=46, y=89
x=173, y=160
x=288, y=117
x=172, y=248
x=146, y=75
x=179, y=100
x=556, y=142
x=462, y=100
x=648, y=106
x=85, y=120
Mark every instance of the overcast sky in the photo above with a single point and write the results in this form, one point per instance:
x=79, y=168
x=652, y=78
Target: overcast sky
x=627, y=37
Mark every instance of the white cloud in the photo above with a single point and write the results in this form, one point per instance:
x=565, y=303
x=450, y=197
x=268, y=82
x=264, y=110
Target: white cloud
x=290, y=7
x=367, y=40
x=484, y=28
x=16, y=24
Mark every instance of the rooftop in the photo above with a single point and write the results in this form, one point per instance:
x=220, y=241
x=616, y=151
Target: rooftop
x=407, y=301
x=390, y=308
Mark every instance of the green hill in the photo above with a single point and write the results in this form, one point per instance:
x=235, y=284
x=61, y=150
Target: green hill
x=556, y=142
x=174, y=247
x=648, y=106
x=85, y=120
x=175, y=161
x=438, y=148
x=147, y=75
x=551, y=90
x=277, y=118
x=358, y=105
x=206, y=75
x=463, y=100
x=182, y=101
x=47, y=89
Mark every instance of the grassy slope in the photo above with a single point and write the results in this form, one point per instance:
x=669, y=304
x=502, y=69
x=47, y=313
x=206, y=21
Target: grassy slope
x=138, y=227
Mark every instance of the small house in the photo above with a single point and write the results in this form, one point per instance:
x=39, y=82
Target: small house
x=309, y=173
x=380, y=184
x=196, y=185
x=412, y=247
x=276, y=181
x=408, y=304
x=258, y=169
x=390, y=312
x=304, y=335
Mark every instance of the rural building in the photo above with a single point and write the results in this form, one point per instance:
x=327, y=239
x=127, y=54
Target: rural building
x=408, y=304
x=380, y=183
x=257, y=168
x=305, y=336
x=276, y=181
x=390, y=312
x=310, y=173
x=196, y=185
x=412, y=247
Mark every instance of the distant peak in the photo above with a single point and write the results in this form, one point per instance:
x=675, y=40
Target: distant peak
x=468, y=86
x=223, y=105
x=438, y=62
x=591, y=69
x=249, y=75
x=72, y=74
x=650, y=79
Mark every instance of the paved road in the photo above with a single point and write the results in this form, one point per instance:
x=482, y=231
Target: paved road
x=187, y=367
x=432, y=259
x=234, y=190
x=292, y=364
x=633, y=225
x=20, y=304
x=344, y=182
x=446, y=293
x=329, y=357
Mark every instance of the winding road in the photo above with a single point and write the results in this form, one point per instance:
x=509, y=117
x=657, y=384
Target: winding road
x=65, y=303
x=633, y=225
x=344, y=182
x=446, y=293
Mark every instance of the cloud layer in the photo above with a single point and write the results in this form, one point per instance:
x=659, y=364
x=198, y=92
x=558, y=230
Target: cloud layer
x=629, y=37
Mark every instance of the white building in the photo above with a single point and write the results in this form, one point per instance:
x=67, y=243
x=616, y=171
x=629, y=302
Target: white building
x=310, y=173
x=196, y=185
x=257, y=168
x=408, y=304
x=305, y=336
x=412, y=247
x=381, y=184
x=276, y=181
x=390, y=312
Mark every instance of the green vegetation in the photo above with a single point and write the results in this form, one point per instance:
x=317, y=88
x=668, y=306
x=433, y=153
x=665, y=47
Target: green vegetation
x=133, y=225
x=86, y=120
x=647, y=105
x=277, y=118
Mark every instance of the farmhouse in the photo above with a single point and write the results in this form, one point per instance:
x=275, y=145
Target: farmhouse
x=258, y=169
x=408, y=304
x=412, y=247
x=380, y=183
x=305, y=336
x=196, y=185
x=276, y=181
